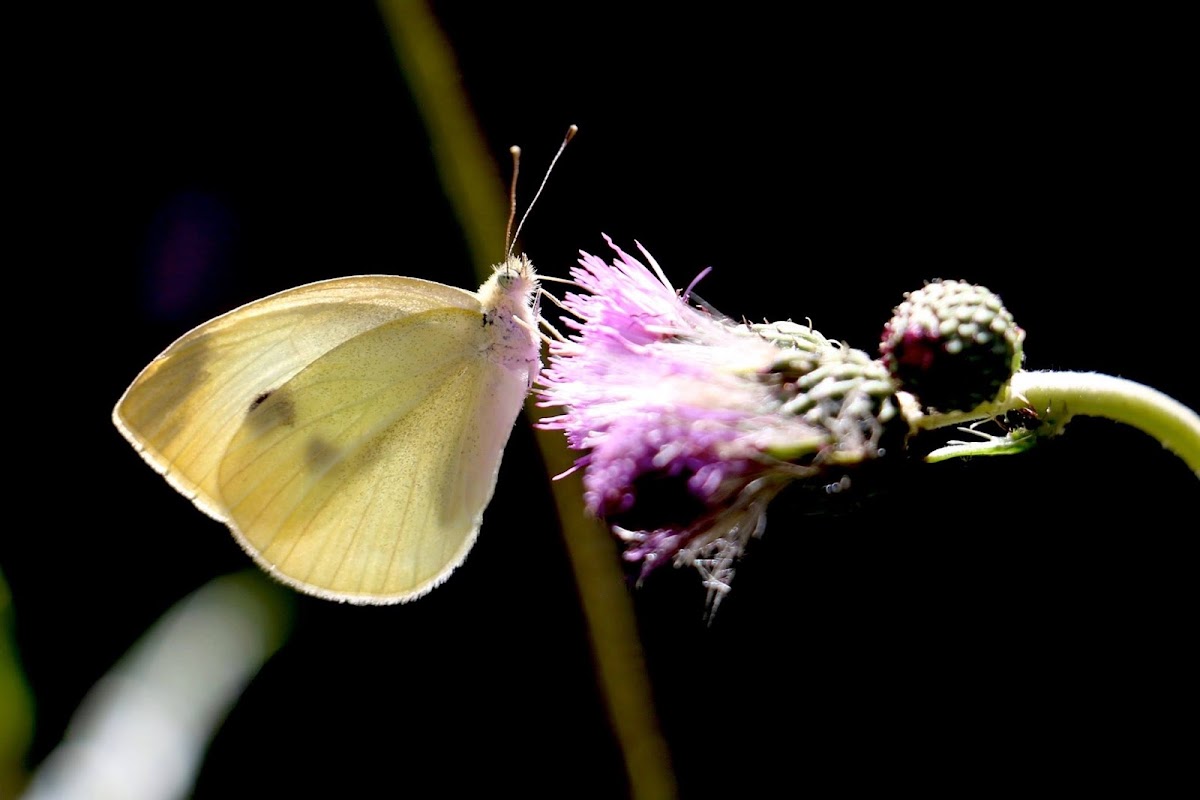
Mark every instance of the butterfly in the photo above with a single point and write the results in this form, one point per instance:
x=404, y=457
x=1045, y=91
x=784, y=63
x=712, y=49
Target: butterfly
x=349, y=432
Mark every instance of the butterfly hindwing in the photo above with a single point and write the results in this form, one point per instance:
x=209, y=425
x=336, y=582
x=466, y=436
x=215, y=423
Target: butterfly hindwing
x=366, y=474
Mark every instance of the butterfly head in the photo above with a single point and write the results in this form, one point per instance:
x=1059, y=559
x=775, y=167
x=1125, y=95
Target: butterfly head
x=513, y=285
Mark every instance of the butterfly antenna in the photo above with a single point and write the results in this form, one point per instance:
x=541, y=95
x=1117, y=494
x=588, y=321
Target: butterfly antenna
x=512, y=200
x=571, y=131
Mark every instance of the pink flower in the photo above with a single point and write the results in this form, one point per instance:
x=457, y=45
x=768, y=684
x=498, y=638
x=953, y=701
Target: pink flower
x=692, y=423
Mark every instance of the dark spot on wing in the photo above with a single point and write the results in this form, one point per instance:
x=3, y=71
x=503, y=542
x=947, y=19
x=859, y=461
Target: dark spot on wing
x=270, y=410
x=320, y=455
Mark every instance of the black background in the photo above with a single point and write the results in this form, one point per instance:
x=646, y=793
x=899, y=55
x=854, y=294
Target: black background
x=1001, y=622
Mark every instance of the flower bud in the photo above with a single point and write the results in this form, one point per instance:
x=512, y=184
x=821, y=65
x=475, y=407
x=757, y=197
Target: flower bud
x=952, y=345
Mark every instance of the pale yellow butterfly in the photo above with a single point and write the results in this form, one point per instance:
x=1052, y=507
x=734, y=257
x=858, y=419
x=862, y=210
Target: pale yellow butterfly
x=349, y=432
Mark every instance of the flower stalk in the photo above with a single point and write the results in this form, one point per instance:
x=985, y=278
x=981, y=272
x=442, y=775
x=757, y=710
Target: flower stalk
x=1057, y=397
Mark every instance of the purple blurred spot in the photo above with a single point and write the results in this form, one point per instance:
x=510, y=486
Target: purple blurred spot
x=187, y=249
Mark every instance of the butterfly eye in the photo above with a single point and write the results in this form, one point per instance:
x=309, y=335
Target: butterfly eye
x=507, y=278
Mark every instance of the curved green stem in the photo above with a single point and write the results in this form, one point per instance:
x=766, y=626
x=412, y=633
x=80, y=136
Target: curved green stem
x=1057, y=397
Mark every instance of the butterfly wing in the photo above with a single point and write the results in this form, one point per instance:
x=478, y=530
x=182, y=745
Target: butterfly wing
x=364, y=477
x=183, y=410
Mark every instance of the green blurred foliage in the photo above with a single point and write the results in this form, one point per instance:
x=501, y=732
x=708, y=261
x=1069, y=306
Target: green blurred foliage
x=16, y=703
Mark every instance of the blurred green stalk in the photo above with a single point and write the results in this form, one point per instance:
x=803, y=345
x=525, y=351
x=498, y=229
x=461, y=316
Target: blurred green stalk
x=474, y=187
x=16, y=703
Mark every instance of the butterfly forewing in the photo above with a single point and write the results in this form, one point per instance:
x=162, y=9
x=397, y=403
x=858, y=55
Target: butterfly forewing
x=183, y=409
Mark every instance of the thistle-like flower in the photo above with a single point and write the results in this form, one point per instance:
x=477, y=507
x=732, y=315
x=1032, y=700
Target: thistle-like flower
x=692, y=423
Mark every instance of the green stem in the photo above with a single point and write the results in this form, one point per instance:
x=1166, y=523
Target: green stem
x=473, y=184
x=1057, y=397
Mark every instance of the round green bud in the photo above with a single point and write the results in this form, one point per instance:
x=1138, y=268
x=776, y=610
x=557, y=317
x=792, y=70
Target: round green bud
x=952, y=344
